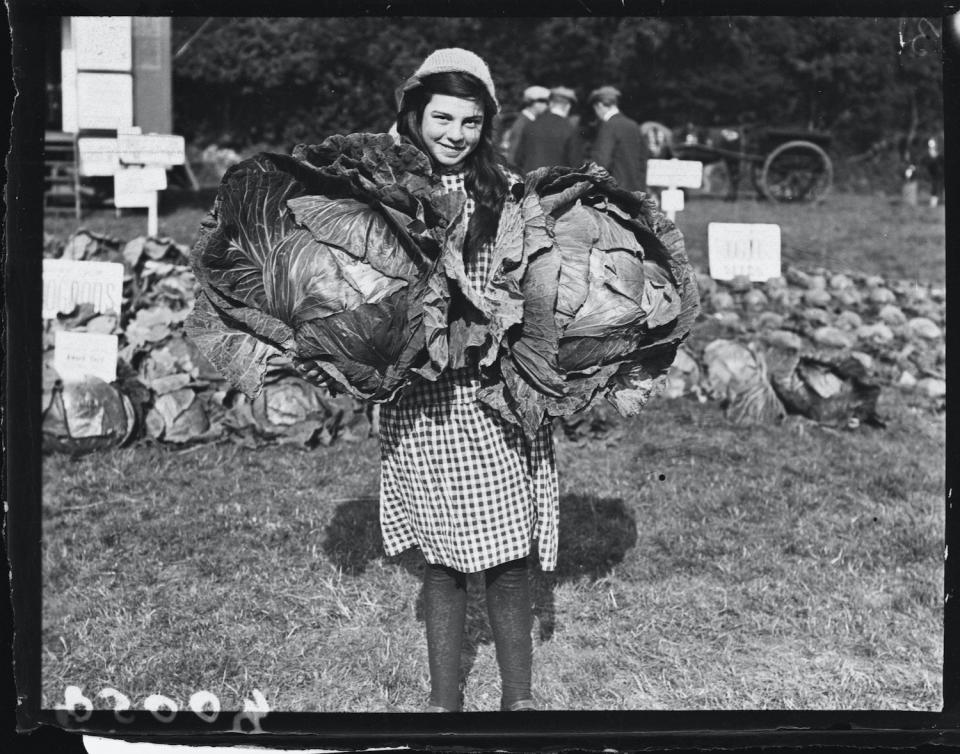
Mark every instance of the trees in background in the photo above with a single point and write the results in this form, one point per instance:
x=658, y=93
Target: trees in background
x=280, y=81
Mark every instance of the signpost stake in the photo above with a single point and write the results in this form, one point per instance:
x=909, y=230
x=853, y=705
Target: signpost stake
x=152, y=215
x=671, y=213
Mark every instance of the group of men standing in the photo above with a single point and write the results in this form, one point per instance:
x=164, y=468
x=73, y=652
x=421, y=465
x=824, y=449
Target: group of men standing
x=545, y=133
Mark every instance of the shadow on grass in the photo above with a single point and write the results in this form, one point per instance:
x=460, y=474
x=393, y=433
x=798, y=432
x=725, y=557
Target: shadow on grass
x=595, y=535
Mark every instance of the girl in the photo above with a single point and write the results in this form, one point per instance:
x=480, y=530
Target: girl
x=456, y=480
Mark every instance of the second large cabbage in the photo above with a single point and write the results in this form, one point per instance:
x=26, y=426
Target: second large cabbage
x=608, y=297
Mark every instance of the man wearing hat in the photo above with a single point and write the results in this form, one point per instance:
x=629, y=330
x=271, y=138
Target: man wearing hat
x=551, y=139
x=619, y=146
x=535, y=104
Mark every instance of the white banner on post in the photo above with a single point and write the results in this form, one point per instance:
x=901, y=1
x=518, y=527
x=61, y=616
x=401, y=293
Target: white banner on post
x=104, y=100
x=68, y=282
x=103, y=43
x=751, y=249
x=675, y=173
x=80, y=354
x=68, y=92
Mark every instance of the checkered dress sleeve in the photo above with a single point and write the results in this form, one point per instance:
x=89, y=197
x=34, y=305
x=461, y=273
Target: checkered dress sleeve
x=457, y=480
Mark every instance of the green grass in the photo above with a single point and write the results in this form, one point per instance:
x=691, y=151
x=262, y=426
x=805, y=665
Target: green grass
x=844, y=233
x=701, y=565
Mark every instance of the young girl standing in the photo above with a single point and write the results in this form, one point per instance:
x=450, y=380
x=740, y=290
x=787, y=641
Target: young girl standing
x=457, y=481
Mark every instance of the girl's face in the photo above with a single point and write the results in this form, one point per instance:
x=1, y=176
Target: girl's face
x=450, y=128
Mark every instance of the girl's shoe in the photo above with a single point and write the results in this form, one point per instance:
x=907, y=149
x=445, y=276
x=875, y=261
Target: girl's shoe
x=524, y=705
x=436, y=708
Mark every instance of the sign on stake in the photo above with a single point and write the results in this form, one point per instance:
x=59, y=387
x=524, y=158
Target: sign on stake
x=751, y=249
x=674, y=175
x=80, y=354
x=68, y=282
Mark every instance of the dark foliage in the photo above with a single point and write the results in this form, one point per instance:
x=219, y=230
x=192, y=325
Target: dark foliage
x=280, y=81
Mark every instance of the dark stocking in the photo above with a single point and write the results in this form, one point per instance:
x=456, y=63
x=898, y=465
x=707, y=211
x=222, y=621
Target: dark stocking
x=510, y=613
x=445, y=611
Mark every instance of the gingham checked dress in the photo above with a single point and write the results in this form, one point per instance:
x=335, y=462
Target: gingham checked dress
x=457, y=480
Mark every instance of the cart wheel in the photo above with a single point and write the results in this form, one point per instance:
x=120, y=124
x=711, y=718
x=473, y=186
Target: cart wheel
x=796, y=171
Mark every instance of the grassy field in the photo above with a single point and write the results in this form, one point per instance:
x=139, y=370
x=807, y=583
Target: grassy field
x=702, y=565
x=847, y=232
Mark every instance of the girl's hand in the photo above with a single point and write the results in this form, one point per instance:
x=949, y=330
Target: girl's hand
x=309, y=370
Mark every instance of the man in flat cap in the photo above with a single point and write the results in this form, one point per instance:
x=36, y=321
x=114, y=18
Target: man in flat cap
x=534, y=105
x=619, y=146
x=551, y=139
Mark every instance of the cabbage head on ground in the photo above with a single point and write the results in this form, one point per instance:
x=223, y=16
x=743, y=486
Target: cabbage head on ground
x=608, y=297
x=331, y=257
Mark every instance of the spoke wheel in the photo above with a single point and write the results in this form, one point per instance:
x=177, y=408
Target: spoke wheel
x=796, y=171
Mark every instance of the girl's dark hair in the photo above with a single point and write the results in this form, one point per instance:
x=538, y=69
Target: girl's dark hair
x=484, y=180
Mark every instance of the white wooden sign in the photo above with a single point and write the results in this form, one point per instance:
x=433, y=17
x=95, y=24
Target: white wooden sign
x=68, y=282
x=675, y=173
x=751, y=249
x=79, y=354
x=103, y=43
x=104, y=100
x=139, y=179
x=151, y=149
x=98, y=156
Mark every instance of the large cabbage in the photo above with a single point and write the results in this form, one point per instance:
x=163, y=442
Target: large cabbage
x=608, y=297
x=332, y=256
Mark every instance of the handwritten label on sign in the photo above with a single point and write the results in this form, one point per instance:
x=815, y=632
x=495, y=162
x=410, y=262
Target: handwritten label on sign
x=751, y=249
x=68, y=282
x=98, y=156
x=675, y=173
x=151, y=149
x=80, y=354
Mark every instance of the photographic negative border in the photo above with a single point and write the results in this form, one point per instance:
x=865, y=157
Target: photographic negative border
x=549, y=729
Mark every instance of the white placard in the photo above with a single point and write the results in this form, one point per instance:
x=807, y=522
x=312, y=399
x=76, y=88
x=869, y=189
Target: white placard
x=68, y=282
x=78, y=354
x=104, y=100
x=137, y=180
x=751, y=249
x=98, y=157
x=671, y=200
x=103, y=43
x=152, y=149
x=68, y=91
x=675, y=173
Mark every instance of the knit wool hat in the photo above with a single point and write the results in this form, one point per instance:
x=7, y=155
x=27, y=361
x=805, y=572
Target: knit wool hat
x=448, y=60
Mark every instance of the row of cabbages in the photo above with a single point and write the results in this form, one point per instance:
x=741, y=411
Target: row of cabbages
x=346, y=258
x=818, y=343
x=166, y=390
